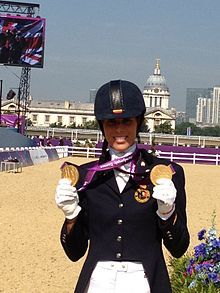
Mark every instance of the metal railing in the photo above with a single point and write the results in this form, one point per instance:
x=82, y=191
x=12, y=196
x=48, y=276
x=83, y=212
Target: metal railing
x=87, y=152
x=146, y=137
x=90, y=152
x=192, y=158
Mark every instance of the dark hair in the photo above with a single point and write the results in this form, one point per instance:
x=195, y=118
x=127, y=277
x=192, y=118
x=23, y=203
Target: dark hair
x=104, y=157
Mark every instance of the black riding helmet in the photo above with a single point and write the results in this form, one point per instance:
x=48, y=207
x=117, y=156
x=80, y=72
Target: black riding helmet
x=119, y=99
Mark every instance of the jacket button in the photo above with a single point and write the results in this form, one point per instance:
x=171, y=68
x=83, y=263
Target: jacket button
x=119, y=238
x=64, y=238
x=121, y=205
x=118, y=255
x=120, y=221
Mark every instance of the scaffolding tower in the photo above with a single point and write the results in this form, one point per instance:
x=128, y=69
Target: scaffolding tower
x=29, y=10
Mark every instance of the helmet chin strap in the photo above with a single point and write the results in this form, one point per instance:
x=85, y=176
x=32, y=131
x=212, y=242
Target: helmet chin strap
x=101, y=127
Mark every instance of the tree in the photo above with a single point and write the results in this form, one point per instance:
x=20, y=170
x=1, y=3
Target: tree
x=73, y=125
x=29, y=122
x=144, y=126
x=164, y=128
x=182, y=129
x=91, y=124
x=211, y=131
x=56, y=125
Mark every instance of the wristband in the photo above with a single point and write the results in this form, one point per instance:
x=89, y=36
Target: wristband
x=168, y=211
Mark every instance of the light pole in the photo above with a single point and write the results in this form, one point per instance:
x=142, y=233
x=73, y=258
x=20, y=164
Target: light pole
x=19, y=109
x=1, y=81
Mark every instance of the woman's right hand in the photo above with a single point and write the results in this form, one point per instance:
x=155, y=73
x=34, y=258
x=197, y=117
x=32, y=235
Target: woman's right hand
x=67, y=199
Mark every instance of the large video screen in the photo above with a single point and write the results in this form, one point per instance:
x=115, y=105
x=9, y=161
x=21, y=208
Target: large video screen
x=22, y=41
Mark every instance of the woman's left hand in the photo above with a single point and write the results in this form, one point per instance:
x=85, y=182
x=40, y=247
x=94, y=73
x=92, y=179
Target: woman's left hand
x=165, y=193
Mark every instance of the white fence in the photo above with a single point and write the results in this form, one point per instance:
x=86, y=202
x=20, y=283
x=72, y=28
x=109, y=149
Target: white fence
x=191, y=158
x=96, y=136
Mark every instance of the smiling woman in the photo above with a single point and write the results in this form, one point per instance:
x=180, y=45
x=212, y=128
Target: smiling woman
x=116, y=210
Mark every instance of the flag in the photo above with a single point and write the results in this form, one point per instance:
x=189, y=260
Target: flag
x=10, y=95
x=24, y=40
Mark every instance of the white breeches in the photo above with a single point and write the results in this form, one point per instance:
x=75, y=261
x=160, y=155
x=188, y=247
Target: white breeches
x=118, y=277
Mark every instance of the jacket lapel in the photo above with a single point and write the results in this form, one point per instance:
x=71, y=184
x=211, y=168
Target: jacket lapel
x=110, y=180
x=143, y=167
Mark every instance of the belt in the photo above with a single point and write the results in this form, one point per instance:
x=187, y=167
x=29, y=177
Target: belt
x=121, y=266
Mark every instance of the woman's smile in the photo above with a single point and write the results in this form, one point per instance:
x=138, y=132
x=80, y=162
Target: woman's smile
x=120, y=139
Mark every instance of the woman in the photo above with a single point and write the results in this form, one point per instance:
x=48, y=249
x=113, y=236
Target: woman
x=119, y=209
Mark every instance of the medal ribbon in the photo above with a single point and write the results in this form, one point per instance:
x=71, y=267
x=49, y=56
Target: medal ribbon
x=114, y=164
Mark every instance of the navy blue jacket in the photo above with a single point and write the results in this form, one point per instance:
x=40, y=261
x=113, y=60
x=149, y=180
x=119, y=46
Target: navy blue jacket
x=117, y=227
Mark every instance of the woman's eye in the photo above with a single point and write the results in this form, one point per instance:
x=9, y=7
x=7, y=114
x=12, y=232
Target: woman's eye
x=111, y=123
x=114, y=123
x=127, y=121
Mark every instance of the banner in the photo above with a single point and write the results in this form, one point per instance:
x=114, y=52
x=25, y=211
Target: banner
x=38, y=156
x=52, y=154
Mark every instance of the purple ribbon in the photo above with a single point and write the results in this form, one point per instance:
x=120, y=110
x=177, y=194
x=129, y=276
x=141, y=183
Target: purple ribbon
x=114, y=164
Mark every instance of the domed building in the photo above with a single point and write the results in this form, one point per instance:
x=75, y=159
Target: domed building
x=157, y=97
x=156, y=93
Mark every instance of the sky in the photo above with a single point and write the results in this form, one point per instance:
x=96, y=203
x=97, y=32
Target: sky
x=90, y=42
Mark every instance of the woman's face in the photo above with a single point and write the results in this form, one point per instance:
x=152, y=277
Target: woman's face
x=120, y=133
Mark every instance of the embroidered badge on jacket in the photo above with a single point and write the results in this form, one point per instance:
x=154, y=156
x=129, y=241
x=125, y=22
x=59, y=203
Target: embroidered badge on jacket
x=142, y=194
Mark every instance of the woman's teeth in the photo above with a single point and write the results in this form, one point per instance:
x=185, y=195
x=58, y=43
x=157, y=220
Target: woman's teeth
x=120, y=138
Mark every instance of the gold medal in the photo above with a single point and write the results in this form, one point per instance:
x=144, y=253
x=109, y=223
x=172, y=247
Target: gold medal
x=161, y=171
x=70, y=171
x=142, y=194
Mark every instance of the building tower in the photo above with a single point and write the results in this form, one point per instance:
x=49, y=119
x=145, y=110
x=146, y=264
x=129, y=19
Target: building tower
x=156, y=93
x=192, y=95
x=203, y=112
x=216, y=106
x=92, y=94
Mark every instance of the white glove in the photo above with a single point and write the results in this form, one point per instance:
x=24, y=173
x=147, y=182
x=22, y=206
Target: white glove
x=67, y=199
x=165, y=193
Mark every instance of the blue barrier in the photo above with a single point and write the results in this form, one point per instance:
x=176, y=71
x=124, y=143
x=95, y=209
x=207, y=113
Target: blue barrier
x=30, y=157
x=21, y=156
x=52, y=154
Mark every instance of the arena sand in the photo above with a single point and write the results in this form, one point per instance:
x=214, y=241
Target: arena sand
x=32, y=259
